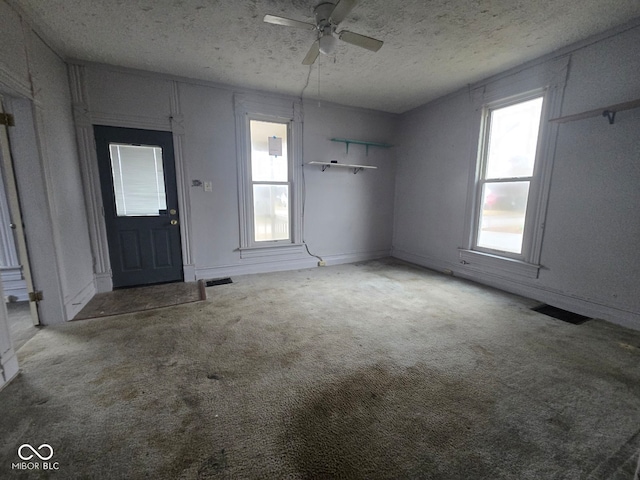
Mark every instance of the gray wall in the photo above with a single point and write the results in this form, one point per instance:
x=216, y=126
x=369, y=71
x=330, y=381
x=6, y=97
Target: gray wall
x=348, y=217
x=590, y=253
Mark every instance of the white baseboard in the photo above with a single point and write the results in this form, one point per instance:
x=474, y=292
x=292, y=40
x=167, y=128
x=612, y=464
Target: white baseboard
x=572, y=303
x=251, y=268
x=103, y=282
x=261, y=266
x=189, y=273
x=355, y=257
x=79, y=300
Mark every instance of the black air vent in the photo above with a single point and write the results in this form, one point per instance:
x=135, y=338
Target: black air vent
x=560, y=314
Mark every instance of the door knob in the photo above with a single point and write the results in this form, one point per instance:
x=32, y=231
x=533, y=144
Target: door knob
x=12, y=226
x=174, y=222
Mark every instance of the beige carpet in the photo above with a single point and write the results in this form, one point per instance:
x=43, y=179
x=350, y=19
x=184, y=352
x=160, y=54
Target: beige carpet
x=139, y=299
x=364, y=371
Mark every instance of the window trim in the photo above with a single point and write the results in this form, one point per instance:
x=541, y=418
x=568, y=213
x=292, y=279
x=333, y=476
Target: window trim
x=549, y=77
x=270, y=109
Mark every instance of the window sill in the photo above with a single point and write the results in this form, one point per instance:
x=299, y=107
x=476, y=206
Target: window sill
x=271, y=250
x=495, y=264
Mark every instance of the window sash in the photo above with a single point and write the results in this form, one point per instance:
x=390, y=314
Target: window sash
x=251, y=222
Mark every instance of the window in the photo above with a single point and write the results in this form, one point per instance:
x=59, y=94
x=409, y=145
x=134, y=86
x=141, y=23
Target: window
x=270, y=181
x=507, y=167
x=268, y=136
x=511, y=175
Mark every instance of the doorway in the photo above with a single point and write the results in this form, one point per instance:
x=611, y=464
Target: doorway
x=138, y=181
x=20, y=296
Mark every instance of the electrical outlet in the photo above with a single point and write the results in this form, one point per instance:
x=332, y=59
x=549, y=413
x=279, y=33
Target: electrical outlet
x=322, y=263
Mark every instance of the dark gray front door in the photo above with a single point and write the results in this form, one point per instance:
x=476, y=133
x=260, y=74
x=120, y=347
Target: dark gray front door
x=137, y=174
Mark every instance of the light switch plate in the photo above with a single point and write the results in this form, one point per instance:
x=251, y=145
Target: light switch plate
x=208, y=186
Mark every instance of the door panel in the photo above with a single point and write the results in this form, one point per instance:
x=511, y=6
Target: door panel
x=137, y=174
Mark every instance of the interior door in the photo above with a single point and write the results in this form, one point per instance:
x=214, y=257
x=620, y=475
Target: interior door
x=137, y=174
x=17, y=225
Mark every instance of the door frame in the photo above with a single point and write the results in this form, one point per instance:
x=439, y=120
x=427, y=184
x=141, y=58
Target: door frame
x=85, y=119
x=15, y=211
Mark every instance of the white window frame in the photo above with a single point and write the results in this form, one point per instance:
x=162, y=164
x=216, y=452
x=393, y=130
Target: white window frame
x=547, y=80
x=534, y=179
x=277, y=110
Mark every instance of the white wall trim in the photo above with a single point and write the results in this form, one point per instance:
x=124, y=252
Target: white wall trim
x=573, y=303
x=73, y=304
x=103, y=282
x=278, y=265
x=355, y=257
x=13, y=84
x=131, y=121
x=253, y=267
x=182, y=174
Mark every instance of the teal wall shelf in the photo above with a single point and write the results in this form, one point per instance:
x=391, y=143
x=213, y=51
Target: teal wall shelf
x=360, y=142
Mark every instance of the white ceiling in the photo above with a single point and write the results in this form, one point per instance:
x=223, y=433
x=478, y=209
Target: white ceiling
x=430, y=48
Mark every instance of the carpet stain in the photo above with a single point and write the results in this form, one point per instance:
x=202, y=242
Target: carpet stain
x=385, y=422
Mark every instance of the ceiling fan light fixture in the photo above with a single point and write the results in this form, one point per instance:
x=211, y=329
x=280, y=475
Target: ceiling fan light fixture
x=328, y=44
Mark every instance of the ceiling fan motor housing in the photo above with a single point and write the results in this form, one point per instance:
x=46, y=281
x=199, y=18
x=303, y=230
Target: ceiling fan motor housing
x=323, y=16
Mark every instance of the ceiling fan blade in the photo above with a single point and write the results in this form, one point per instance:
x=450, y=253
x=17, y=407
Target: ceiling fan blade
x=341, y=10
x=313, y=53
x=360, y=40
x=287, y=22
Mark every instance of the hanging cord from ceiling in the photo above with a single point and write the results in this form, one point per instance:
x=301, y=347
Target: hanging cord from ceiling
x=304, y=183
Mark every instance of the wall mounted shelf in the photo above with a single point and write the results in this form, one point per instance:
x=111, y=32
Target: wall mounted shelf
x=360, y=142
x=356, y=168
x=609, y=112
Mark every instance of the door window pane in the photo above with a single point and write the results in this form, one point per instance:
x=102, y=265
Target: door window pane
x=271, y=212
x=513, y=139
x=138, y=180
x=502, y=216
x=266, y=167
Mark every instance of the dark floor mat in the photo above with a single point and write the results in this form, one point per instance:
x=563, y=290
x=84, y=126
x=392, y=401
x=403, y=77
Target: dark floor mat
x=138, y=299
x=560, y=314
x=218, y=281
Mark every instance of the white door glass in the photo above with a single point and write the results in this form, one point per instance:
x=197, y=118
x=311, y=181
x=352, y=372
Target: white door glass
x=138, y=180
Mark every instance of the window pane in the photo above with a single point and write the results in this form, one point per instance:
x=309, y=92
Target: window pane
x=266, y=167
x=502, y=216
x=513, y=139
x=271, y=212
x=138, y=180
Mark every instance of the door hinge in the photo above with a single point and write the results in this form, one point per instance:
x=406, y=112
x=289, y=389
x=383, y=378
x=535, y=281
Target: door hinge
x=7, y=119
x=35, y=296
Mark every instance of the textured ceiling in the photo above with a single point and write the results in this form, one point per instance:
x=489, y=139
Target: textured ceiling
x=430, y=48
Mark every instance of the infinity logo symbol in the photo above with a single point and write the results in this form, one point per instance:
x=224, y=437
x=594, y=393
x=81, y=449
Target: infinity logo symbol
x=35, y=452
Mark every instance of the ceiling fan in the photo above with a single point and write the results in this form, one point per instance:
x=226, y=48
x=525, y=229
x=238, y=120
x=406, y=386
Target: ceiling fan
x=328, y=17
